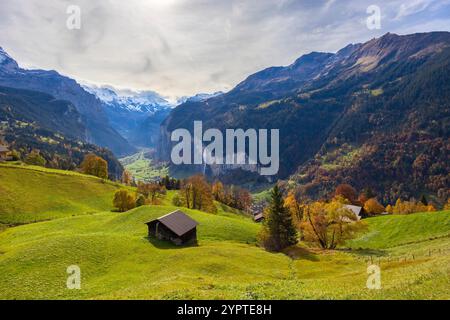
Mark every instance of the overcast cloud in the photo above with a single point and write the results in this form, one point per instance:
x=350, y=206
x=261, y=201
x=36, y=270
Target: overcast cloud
x=183, y=47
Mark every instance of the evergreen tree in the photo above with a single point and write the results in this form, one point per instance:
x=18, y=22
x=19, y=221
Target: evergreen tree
x=279, y=231
x=424, y=200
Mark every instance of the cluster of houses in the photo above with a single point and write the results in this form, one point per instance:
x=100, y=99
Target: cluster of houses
x=258, y=209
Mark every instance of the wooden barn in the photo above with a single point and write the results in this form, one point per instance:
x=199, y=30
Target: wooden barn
x=176, y=227
x=3, y=153
x=258, y=218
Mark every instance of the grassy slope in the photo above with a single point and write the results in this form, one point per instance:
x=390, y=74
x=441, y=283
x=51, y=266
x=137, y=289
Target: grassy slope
x=118, y=261
x=398, y=230
x=29, y=194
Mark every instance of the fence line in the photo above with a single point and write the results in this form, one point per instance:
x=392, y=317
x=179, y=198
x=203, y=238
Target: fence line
x=408, y=257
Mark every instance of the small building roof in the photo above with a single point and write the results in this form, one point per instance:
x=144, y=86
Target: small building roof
x=178, y=222
x=258, y=217
x=3, y=148
x=355, y=209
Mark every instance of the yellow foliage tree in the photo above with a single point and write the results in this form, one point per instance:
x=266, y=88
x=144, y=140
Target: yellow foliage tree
x=373, y=207
x=389, y=209
x=330, y=224
x=196, y=194
x=95, y=166
x=295, y=208
x=218, y=191
x=447, y=205
x=124, y=200
x=127, y=178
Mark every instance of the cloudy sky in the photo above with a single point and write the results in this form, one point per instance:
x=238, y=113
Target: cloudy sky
x=183, y=47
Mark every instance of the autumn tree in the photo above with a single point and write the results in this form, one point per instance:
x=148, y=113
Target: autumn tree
x=124, y=200
x=389, y=209
x=408, y=207
x=95, y=166
x=244, y=199
x=35, y=158
x=294, y=207
x=127, y=178
x=151, y=191
x=330, y=224
x=218, y=191
x=346, y=191
x=278, y=231
x=196, y=193
x=447, y=205
x=373, y=207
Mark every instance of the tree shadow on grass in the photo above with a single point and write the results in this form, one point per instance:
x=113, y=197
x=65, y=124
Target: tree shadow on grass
x=367, y=252
x=163, y=244
x=300, y=253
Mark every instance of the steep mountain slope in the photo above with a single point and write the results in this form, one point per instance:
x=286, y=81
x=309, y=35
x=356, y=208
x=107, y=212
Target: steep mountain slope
x=35, y=120
x=98, y=130
x=36, y=107
x=347, y=103
x=135, y=115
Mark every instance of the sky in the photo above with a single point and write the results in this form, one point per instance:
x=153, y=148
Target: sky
x=184, y=47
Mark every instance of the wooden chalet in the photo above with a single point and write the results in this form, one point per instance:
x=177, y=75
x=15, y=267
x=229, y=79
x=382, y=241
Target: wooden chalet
x=176, y=227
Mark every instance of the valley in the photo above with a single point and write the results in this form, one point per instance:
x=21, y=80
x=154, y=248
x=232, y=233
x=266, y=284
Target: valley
x=354, y=176
x=142, y=168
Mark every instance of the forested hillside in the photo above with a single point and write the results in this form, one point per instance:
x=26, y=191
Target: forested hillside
x=372, y=115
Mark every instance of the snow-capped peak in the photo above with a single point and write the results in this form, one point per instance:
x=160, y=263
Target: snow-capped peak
x=6, y=61
x=199, y=97
x=129, y=100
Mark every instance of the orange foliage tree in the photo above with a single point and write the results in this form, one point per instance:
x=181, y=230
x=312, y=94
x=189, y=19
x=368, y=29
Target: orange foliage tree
x=346, y=191
x=95, y=166
x=373, y=207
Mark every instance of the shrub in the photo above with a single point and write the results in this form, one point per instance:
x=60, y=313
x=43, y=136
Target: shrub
x=176, y=201
x=140, y=201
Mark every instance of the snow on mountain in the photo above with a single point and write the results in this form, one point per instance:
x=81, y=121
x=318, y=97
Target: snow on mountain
x=129, y=100
x=7, y=63
x=199, y=97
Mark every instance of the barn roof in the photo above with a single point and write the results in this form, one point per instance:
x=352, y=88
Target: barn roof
x=258, y=217
x=355, y=209
x=178, y=222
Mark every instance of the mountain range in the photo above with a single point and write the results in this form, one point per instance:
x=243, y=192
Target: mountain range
x=374, y=114
x=136, y=115
x=98, y=129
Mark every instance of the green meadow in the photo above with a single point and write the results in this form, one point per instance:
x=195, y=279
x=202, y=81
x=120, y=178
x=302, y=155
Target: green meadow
x=142, y=168
x=75, y=226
